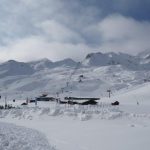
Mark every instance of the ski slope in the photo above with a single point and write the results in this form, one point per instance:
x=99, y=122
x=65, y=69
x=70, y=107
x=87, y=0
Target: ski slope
x=96, y=81
x=100, y=71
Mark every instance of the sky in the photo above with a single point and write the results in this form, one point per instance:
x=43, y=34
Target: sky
x=58, y=29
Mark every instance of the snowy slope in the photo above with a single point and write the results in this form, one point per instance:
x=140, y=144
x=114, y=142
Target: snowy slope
x=105, y=59
x=144, y=57
x=99, y=72
x=41, y=64
x=47, y=64
x=138, y=62
x=96, y=81
x=14, y=68
x=144, y=54
x=66, y=62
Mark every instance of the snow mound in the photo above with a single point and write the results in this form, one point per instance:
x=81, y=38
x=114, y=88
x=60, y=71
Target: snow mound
x=19, y=138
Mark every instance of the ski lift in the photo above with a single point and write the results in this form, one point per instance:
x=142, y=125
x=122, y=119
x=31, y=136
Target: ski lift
x=68, y=86
x=109, y=92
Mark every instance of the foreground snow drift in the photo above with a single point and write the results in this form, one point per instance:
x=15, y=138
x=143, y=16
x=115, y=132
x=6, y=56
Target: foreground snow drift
x=19, y=138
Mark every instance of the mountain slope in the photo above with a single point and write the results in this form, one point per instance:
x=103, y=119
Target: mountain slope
x=41, y=64
x=14, y=68
x=106, y=59
x=98, y=73
x=144, y=57
x=47, y=64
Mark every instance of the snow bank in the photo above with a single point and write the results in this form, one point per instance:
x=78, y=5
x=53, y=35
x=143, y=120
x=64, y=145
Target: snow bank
x=19, y=138
x=83, y=113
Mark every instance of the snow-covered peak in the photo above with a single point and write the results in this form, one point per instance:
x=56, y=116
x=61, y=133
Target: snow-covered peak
x=111, y=58
x=144, y=54
x=48, y=64
x=41, y=64
x=66, y=62
x=144, y=57
x=96, y=59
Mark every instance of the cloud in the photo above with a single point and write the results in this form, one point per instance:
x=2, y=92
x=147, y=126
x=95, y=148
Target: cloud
x=57, y=32
x=124, y=34
x=56, y=41
x=32, y=29
x=35, y=47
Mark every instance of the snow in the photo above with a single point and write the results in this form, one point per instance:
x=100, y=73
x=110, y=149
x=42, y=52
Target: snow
x=105, y=59
x=101, y=71
x=107, y=130
x=96, y=81
x=14, y=68
x=47, y=64
x=67, y=127
x=20, y=138
x=106, y=127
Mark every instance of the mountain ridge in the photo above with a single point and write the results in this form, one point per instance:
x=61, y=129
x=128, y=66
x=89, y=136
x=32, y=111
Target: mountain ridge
x=139, y=62
x=99, y=72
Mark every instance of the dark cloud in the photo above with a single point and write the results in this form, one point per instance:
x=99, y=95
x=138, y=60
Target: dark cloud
x=138, y=9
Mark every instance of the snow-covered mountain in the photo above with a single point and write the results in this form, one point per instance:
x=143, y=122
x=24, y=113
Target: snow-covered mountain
x=138, y=62
x=48, y=64
x=14, y=68
x=65, y=63
x=97, y=73
x=128, y=77
x=41, y=64
x=144, y=56
x=106, y=59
